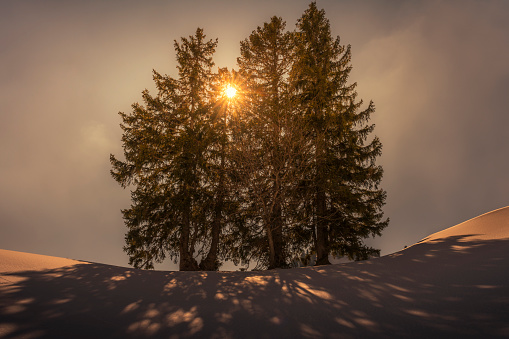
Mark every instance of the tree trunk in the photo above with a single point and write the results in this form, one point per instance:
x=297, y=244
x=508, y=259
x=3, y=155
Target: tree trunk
x=322, y=251
x=272, y=255
x=210, y=263
x=187, y=262
x=277, y=235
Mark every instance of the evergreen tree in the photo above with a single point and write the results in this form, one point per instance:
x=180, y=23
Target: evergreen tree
x=341, y=200
x=221, y=177
x=287, y=167
x=166, y=145
x=270, y=149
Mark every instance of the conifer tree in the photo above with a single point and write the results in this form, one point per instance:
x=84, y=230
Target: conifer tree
x=287, y=167
x=220, y=183
x=273, y=140
x=340, y=194
x=166, y=145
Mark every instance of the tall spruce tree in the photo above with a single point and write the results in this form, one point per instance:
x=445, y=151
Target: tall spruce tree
x=166, y=145
x=341, y=196
x=270, y=148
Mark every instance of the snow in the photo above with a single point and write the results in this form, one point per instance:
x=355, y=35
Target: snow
x=454, y=283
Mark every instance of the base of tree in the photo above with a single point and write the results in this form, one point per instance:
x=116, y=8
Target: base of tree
x=189, y=265
x=209, y=265
x=322, y=261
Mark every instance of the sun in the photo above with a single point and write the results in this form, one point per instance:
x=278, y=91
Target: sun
x=230, y=91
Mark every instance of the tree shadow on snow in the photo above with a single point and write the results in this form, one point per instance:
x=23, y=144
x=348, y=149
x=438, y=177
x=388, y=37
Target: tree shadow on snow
x=453, y=287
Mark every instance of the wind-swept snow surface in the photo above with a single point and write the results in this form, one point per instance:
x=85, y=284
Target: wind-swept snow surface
x=453, y=284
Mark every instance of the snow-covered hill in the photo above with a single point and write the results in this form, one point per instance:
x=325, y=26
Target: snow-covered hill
x=452, y=284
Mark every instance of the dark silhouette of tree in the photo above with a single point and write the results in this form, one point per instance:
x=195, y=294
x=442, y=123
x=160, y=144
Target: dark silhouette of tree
x=222, y=184
x=166, y=148
x=340, y=194
x=287, y=167
x=267, y=155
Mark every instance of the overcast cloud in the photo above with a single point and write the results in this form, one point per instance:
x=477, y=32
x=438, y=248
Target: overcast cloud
x=437, y=71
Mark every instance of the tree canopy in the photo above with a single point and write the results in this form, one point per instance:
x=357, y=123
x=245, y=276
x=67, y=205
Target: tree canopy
x=281, y=172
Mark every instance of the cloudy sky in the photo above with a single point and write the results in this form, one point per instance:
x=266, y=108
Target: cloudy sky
x=438, y=72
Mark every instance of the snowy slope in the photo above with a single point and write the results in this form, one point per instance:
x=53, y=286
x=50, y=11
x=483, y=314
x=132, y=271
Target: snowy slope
x=453, y=284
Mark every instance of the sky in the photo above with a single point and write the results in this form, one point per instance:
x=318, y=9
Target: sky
x=437, y=71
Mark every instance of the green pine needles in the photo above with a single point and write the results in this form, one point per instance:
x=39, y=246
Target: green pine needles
x=280, y=174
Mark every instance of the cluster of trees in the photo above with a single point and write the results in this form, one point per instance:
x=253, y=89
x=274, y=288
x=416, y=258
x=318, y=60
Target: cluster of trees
x=283, y=171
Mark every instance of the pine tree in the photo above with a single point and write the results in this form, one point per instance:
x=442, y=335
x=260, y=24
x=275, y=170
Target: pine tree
x=341, y=198
x=166, y=145
x=236, y=240
x=272, y=142
x=220, y=184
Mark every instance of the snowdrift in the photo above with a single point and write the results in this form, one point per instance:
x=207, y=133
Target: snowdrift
x=452, y=284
